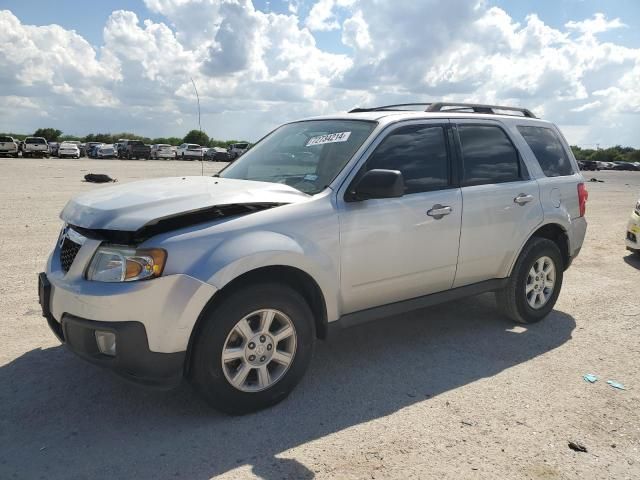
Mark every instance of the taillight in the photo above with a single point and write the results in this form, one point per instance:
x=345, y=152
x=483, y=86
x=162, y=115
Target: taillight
x=583, y=195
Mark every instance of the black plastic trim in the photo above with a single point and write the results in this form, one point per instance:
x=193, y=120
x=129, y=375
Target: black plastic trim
x=384, y=311
x=133, y=361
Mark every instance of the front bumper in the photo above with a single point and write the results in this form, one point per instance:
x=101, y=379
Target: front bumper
x=152, y=318
x=632, y=239
x=133, y=359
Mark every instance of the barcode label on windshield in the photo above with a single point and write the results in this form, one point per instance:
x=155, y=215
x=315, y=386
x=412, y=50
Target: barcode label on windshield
x=329, y=138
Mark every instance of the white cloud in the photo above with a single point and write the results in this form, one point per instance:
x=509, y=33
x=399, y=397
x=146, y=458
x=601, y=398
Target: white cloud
x=587, y=106
x=255, y=69
x=597, y=24
x=323, y=15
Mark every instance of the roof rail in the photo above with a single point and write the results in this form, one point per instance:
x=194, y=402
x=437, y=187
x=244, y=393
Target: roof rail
x=457, y=107
x=397, y=106
x=477, y=108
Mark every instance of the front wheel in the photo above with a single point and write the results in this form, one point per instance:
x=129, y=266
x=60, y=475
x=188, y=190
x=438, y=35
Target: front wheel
x=253, y=348
x=534, y=285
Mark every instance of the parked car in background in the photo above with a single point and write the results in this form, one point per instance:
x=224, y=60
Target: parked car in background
x=217, y=154
x=162, y=150
x=625, y=166
x=106, y=151
x=69, y=150
x=325, y=223
x=9, y=146
x=91, y=148
x=134, y=150
x=588, y=165
x=237, y=149
x=80, y=145
x=189, y=151
x=35, y=147
x=633, y=230
x=53, y=148
x=606, y=165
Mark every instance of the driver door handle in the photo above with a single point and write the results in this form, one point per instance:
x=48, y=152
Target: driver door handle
x=438, y=211
x=523, y=198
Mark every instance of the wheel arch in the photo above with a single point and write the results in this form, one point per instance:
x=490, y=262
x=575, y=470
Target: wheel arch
x=554, y=232
x=293, y=277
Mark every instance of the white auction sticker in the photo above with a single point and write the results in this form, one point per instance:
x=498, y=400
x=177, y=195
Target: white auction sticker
x=329, y=138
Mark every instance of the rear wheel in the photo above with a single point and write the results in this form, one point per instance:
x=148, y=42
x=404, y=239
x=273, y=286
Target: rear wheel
x=534, y=285
x=253, y=348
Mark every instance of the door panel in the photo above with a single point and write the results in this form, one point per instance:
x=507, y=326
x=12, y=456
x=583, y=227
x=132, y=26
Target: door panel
x=501, y=204
x=392, y=250
x=494, y=227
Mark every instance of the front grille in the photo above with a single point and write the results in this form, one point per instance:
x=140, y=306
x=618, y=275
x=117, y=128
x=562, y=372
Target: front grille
x=68, y=252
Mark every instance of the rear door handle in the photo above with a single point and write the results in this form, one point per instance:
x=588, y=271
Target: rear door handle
x=523, y=198
x=438, y=211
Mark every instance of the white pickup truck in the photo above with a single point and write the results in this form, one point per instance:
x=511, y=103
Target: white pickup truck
x=8, y=146
x=35, y=147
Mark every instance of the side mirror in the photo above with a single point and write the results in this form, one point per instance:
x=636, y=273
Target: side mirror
x=377, y=183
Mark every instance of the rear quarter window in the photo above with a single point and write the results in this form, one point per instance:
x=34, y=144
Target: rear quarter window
x=548, y=150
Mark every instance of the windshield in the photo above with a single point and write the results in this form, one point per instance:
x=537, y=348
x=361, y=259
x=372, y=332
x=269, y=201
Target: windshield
x=35, y=140
x=304, y=155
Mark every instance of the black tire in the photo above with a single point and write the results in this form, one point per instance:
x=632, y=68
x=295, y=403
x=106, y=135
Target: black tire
x=206, y=365
x=512, y=300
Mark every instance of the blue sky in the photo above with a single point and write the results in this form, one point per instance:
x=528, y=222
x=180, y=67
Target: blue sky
x=88, y=18
x=126, y=64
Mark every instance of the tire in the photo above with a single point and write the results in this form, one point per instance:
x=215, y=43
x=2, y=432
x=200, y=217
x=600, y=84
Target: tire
x=218, y=329
x=514, y=301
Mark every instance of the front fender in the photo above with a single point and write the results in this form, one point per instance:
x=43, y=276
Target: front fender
x=250, y=251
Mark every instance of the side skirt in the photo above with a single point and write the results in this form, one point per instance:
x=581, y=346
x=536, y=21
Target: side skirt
x=391, y=309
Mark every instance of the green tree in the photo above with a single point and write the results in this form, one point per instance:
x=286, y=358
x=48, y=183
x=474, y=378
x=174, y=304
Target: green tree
x=196, y=136
x=50, y=134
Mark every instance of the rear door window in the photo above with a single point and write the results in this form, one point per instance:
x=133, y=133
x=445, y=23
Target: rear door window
x=548, y=149
x=488, y=155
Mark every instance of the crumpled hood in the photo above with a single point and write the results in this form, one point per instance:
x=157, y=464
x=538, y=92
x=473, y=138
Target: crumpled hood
x=131, y=206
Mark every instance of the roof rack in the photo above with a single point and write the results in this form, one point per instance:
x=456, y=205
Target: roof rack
x=452, y=107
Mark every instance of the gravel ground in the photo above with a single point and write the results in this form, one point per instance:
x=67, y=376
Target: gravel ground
x=453, y=391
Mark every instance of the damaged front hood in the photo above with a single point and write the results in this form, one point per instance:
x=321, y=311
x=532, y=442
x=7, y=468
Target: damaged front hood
x=172, y=202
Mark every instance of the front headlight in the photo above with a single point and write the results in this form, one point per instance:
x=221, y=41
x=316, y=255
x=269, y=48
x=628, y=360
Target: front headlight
x=637, y=209
x=113, y=263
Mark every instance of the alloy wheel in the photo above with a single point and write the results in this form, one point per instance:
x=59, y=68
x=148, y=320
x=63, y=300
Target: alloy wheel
x=540, y=282
x=259, y=350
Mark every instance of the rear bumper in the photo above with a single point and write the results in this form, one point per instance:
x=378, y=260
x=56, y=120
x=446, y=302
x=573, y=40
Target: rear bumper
x=577, y=231
x=632, y=239
x=133, y=359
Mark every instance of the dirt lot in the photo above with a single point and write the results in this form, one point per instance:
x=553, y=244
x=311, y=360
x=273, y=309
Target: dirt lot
x=453, y=391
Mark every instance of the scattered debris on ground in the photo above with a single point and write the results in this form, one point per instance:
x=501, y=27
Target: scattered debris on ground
x=596, y=180
x=99, y=178
x=577, y=447
x=616, y=385
x=590, y=377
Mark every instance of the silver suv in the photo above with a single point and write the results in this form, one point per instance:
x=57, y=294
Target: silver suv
x=325, y=223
